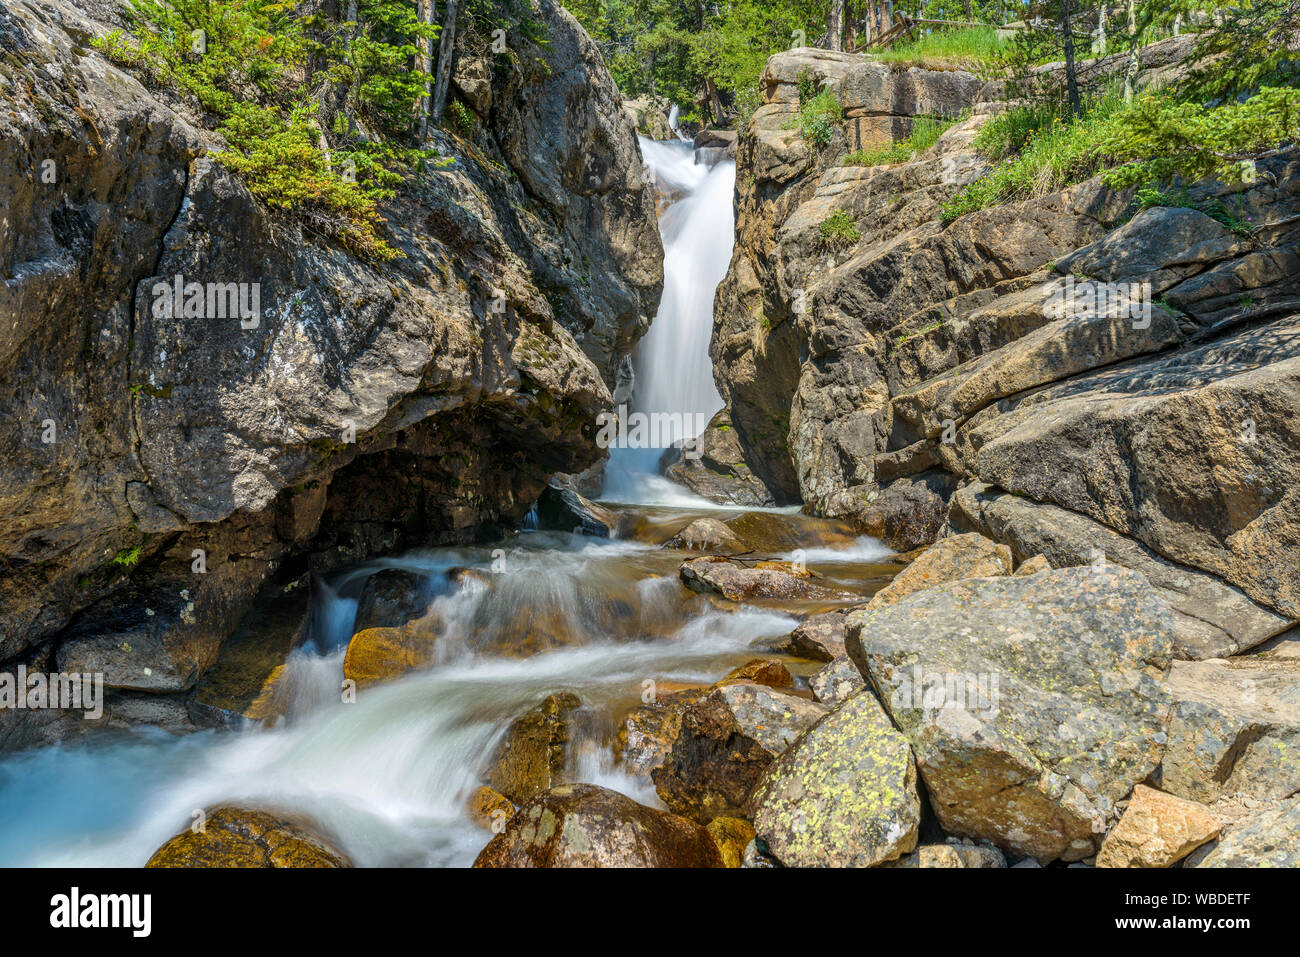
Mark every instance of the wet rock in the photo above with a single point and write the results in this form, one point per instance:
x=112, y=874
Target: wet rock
x=819, y=637
x=835, y=683
x=382, y=654
x=767, y=579
x=1268, y=838
x=951, y=856
x=756, y=858
x=1214, y=618
x=489, y=809
x=247, y=837
x=1235, y=729
x=533, y=754
x=647, y=733
x=1157, y=830
x=714, y=467
x=390, y=598
x=708, y=535
x=761, y=671
x=245, y=679
x=565, y=510
x=947, y=560
x=732, y=835
x=844, y=795
x=581, y=825
x=905, y=514
x=725, y=742
x=1032, y=704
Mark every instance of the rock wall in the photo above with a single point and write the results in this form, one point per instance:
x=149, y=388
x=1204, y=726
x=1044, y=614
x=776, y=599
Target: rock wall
x=873, y=380
x=159, y=470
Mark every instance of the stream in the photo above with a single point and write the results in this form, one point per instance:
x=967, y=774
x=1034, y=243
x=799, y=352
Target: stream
x=387, y=777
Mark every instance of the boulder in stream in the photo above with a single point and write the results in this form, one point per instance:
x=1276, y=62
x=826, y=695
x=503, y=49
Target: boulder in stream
x=844, y=795
x=247, y=837
x=582, y=825
x=739, y=582
x=534, y=752
x=725, y=742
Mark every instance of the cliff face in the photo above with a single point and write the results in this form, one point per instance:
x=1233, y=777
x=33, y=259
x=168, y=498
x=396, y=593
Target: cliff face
x=874, y=380
x=161, y=466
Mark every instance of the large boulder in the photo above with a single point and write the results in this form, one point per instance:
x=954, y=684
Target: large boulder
x=844, y=795
x=581, y=825
x=724, y=743
x=707, y=535
x=647, y=733
x=1214, y=618
x=820, y=637
x=382, y=654
x=247, y=837
x=1032, y=704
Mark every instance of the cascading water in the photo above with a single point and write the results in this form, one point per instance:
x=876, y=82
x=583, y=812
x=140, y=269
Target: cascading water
x=387, y=776
x=674, y=375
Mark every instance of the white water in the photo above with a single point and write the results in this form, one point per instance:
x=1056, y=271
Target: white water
x=387, y=776
x=674, y=373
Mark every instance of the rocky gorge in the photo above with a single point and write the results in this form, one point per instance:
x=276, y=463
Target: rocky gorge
x=959, y=576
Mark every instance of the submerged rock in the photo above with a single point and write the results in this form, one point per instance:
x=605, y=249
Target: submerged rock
x=534, y=752
x=739, y=582
x=381, y=654
x=390, y=598
x=760, y=671
x=844, y=795
x=1032, y=704
x=725, y=742
x=247, y=837
x=1157, y=830
x=707, y=535
x=582, y=825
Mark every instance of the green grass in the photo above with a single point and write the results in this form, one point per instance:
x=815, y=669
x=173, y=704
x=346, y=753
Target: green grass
x=970, y=48
x=1041, y=150
x=839, y=231
x=926, y=131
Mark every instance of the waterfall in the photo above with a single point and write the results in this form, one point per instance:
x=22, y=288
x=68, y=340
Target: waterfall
x=674, y=375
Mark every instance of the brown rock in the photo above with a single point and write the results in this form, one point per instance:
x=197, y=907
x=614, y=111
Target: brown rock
x=1033, y=566
x=1157, y=830
x=245, y=837
x=732, y=835
x=725, y=743
x=647, y=733
x=581, y=825
x=381, y=654
x=707, y=535
x=820, y=637
x=532, y=755
x=947, y=560
x=761, y=671
x=489, y=809
x=738, y=582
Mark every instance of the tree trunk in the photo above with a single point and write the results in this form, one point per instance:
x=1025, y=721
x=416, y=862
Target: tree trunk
x=424, y=9
x=835, y=25
x=1071, y=74
x=1101, y=30
x=1130, y=74
x=445, y=56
